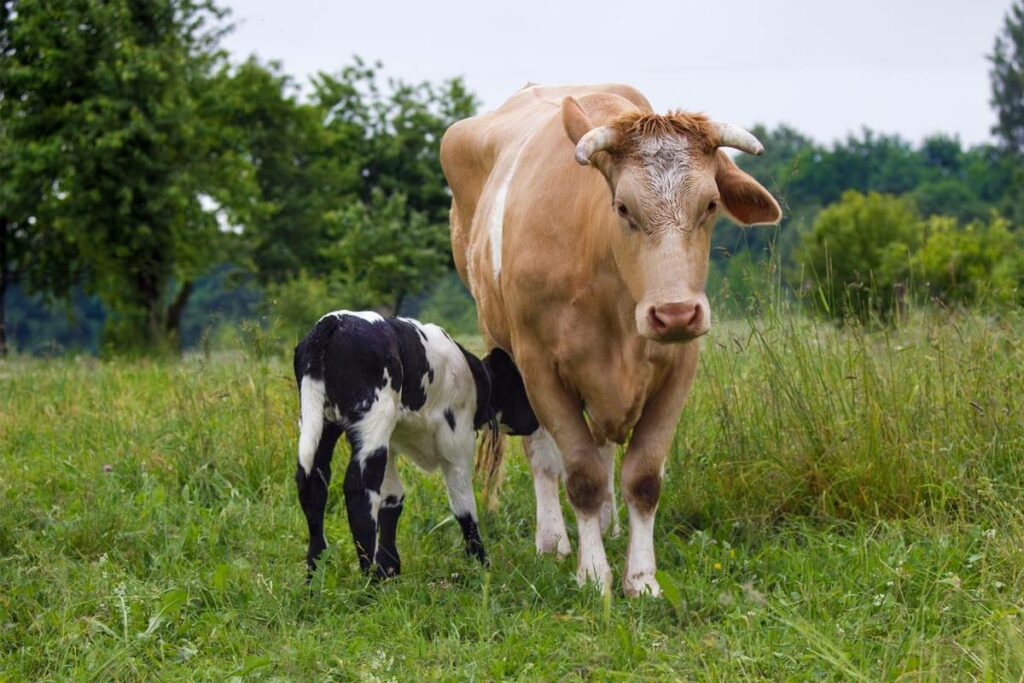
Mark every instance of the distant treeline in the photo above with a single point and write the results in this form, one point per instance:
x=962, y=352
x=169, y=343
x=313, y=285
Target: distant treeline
x=153, y=195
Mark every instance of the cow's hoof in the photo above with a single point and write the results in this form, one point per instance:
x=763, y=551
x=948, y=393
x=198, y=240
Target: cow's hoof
x=553, y=544
x=640, y=583
x=596, y=574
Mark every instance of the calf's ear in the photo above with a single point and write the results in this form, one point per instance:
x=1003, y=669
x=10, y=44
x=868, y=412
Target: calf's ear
x=743, y=198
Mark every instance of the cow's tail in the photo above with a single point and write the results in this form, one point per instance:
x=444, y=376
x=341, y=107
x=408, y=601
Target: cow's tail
x=490, y=465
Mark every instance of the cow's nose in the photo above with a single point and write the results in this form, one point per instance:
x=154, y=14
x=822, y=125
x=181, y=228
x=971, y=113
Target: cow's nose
x=678, y=320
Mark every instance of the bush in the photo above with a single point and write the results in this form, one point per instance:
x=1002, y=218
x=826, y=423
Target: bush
x=980, y=263
x=858, y=254
x=294, y=306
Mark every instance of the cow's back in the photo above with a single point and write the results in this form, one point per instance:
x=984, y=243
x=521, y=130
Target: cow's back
x=486, y=158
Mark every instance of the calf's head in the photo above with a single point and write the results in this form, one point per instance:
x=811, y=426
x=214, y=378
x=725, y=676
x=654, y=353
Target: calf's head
x=500, y=394
x=668, y=181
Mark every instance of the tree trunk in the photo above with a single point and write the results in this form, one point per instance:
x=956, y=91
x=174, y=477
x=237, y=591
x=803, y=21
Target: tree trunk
x=399, y=298
x=175, y=310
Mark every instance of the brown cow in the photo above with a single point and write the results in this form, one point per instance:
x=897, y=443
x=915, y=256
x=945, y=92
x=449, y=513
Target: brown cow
x=581, y=222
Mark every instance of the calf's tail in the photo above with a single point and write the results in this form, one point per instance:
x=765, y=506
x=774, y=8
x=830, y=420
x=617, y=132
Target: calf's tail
x=311, y=421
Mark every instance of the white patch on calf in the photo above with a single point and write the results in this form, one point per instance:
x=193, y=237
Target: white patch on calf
x=368, y=316
x=375, y=428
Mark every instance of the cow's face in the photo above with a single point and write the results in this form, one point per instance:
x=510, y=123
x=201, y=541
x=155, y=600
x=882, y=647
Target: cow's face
x=668, y=182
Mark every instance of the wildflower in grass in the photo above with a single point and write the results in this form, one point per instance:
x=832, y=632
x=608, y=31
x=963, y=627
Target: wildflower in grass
x=717, y=565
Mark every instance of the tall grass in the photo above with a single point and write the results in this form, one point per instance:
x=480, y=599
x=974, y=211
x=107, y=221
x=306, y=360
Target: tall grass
x=841, y=503
x=793, y=416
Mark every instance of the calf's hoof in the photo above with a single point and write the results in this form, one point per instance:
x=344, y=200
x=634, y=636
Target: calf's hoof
x=476, y=549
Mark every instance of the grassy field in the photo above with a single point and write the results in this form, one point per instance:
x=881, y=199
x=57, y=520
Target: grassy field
x=839, y=505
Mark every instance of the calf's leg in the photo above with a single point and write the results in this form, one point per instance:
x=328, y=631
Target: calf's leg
x=369, y=437
x=392, y=498
x=312, y=486
x=458, y=478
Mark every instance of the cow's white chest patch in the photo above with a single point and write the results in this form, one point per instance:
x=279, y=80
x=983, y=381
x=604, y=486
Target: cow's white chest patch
x=496, y=219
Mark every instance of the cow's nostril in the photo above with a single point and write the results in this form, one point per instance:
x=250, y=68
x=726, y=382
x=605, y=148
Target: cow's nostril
x=657, y=323
x=695, y=318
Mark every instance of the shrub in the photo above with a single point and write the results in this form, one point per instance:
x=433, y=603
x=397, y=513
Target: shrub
x=980, y=263
x=858, y=254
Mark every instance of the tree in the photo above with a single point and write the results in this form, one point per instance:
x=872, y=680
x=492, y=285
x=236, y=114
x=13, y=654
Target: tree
x=1007, y=76
x=120, y=171
x=381, y=203
x=857, y=257
x=391, y=131
x=386, y=250
x=300, y=178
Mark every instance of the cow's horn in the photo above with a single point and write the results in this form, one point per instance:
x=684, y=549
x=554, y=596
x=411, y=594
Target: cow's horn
x=596, y=140
x=735, y=137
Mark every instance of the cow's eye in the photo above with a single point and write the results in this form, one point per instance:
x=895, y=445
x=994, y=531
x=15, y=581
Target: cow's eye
x=621, y=209
x=712, y=206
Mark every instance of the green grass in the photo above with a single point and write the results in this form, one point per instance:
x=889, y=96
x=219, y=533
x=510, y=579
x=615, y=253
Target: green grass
x=839, y=505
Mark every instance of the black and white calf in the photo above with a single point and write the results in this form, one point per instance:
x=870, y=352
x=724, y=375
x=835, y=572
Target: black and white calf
x=394, y=384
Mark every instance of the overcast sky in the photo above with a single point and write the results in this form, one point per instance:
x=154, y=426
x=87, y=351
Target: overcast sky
x=826, y=67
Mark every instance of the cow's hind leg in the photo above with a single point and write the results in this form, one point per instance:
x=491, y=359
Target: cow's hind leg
x=458, y=477
x=547, y=468
x=364, y=478
x=312, y=484
x=610, y=509
x=392, y=499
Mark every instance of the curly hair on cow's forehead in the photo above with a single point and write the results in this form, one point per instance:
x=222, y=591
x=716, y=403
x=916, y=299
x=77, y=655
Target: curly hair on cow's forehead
x=638, y=126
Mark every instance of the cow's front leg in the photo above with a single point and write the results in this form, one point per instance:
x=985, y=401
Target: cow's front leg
x=586, y=482
x=547, y=469
x=643, y=468
x=586, y=470
x=641, y=486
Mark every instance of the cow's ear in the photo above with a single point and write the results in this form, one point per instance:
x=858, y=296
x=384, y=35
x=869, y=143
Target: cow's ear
x=743, y=198
x=576, y=122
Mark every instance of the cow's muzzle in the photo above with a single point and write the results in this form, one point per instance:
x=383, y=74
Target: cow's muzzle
x=677, y=321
